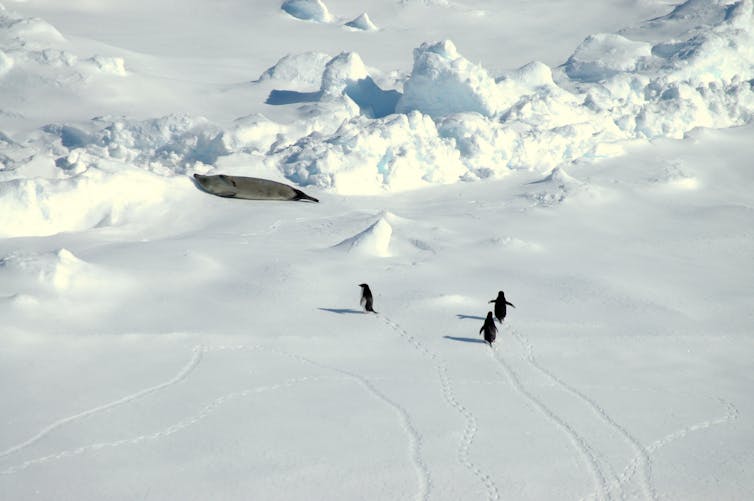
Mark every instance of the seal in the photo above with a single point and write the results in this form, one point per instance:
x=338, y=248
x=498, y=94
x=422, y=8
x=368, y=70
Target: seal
x=249, y=188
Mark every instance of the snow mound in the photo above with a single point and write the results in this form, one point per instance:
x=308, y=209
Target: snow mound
x=514, y=244
x=94, y=198
x=532, y=76
x=453, y=121
x=303, y=69
x=556, y=187
x=700, y=72
x=604, y=55
x=166, y=145
x=254, y=133
x=65, y=269
x=364, y=156
x=674, y=177
x=346, y=76
x=31, y=32
x=6, y=63
x=60, y=270
x=373, y=241
x=443, y=82
x=44, y=66
x=362, y=23
x=691, y=68
x=111, y=65
x=308, y=10
x=341, y=71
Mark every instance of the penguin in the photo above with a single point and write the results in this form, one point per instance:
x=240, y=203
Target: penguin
x=500, y=308
x=489, y=329
x=366, y=298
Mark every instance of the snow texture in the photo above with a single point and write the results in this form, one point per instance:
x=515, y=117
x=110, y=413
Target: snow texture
x=362, y=22
x=590, y=158
x=308, y=10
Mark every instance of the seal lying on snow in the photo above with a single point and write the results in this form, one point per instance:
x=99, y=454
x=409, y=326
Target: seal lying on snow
x=250, y=188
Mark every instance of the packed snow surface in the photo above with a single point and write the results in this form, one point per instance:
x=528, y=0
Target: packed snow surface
x=590, y=158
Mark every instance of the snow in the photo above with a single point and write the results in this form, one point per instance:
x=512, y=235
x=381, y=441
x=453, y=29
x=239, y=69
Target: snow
x=591, y=159
x=307, y=10
x=362, y=22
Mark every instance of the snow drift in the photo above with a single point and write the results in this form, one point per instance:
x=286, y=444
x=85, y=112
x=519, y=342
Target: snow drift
x=308, y=10
x=449, y=120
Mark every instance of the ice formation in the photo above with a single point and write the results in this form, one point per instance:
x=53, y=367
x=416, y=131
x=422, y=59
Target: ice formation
x=362, y=23
x=372, y=241
x=308, y=10
x=451, y=120
x=305, y=69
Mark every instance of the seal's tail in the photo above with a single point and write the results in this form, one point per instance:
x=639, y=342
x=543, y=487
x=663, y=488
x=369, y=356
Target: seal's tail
x=300, y=195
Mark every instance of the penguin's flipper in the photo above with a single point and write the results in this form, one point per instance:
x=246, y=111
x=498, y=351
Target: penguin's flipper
x=492, y=301
x=510, y=304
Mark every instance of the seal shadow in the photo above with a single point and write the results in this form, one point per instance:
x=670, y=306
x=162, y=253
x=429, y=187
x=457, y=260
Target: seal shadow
x=465, y=339
x=461, y=316
x=341, y=311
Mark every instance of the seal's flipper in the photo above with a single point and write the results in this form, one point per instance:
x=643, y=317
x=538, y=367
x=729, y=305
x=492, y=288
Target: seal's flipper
x=300, y=195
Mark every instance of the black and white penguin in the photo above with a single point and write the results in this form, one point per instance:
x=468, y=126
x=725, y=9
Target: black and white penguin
x=366, y=298
x=489, y=329
x=500, y=306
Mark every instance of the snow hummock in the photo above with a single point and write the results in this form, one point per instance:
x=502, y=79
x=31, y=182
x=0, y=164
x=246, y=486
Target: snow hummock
x=362, y=22
x=6, y=63
x=112, y=65
x=363, y=155
x=89, y=199
x=343, y=70
x=303, y=69
x=612, y=92
x=604, y=55
x=662, y=78
x=308, y=10
x=443, y=82
x=372, y=241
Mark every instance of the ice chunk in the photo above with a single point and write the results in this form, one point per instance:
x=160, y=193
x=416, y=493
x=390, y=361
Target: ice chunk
x=443, y=82
x=308, y=10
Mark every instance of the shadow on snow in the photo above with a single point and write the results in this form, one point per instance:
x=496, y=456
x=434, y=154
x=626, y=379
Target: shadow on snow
x=466, y=339
x=341, y=311
x=461, y=316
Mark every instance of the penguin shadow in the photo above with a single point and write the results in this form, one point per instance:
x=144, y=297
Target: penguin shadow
x=342, y=311
x=466, y=339
x=461, y=316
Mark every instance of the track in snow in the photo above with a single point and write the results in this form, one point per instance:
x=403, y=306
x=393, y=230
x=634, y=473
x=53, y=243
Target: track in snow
x=579, y=443
x=423, y=476
x=644, y=461
x=165, y=432
x=470, y=428
x=180, y=376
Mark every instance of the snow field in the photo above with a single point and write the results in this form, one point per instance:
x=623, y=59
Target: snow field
x=153, y=332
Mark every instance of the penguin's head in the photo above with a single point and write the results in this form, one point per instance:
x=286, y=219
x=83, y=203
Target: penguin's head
x=363, y=286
